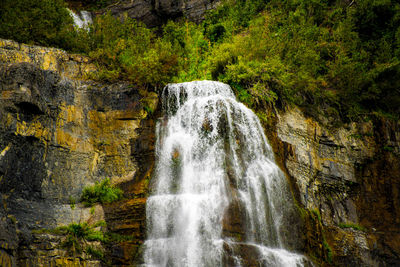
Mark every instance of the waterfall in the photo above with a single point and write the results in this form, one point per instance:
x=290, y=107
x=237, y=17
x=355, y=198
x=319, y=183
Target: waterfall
x=83, y=20
x=217, y=198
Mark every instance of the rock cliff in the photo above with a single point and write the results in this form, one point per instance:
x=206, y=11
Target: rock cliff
x=155, y=13
x=59, y=133
x=349, y=177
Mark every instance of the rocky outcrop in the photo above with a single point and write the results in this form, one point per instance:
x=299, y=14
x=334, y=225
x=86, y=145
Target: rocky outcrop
x=155, y=13
x=350, y=176
x=59, y=133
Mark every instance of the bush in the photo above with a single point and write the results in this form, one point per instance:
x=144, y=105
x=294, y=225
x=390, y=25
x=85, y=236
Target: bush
x=44, y=22
x=128, y=50
x=102, y=192
x=326, y=56
x=77, y=235
x=322, y=55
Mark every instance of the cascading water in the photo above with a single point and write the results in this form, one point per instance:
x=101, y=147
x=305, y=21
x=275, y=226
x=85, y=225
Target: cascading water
x=218, y=198
x=83, y=20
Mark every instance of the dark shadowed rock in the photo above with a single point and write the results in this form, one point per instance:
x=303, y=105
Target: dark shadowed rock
x=155, y=13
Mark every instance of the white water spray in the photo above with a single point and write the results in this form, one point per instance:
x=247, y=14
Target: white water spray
x=83, y=20
x=218, y=198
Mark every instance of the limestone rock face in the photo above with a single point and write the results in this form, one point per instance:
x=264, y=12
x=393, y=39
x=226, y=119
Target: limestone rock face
x=154, y=13
x=60, y=132
x=350, y=175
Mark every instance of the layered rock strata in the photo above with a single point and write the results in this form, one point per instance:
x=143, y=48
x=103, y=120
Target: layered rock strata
x=350, y=176
x=60, y=132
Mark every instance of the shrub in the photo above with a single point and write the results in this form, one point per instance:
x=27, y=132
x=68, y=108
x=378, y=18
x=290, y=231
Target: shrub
x=328, y=57
x=322, y=55
x=44, y=22
x=102, y=192
x=128, y=50
x=76, y=235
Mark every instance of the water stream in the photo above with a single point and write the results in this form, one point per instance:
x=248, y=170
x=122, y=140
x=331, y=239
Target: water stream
x=218, y=198
x=81, y=20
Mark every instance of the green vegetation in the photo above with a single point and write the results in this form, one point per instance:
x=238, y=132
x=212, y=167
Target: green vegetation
x=76, y=237
x=316, y=214
x=102, y=192
x=72, y=202
x=388, y=148
x=94, y=252
x=316, y=54
x=44, y=22
x=128, y=50
x=81, y=231
x=353, y=226
x=328, y=250
x=332, y=58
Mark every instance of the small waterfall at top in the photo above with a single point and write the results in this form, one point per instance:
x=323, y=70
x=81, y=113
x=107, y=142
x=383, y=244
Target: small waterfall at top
x=218, y=198
x=83, y=20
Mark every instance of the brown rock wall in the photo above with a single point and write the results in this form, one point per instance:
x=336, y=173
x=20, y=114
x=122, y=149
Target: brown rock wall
x=59, y=133
x=350, y=175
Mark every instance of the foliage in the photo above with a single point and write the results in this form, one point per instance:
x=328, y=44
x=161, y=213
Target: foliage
x=94, y=252
x=231, y=18
x=81, y=231
x=44, y=22
x=317, y=214
x=102, y=192
x=316, y=54
x=129, y=50
x=76, y=236
x=72, y=202
x=353, y=226
x=328, y=250
x=388, y=148
x=332, y=58
x=191, y=48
